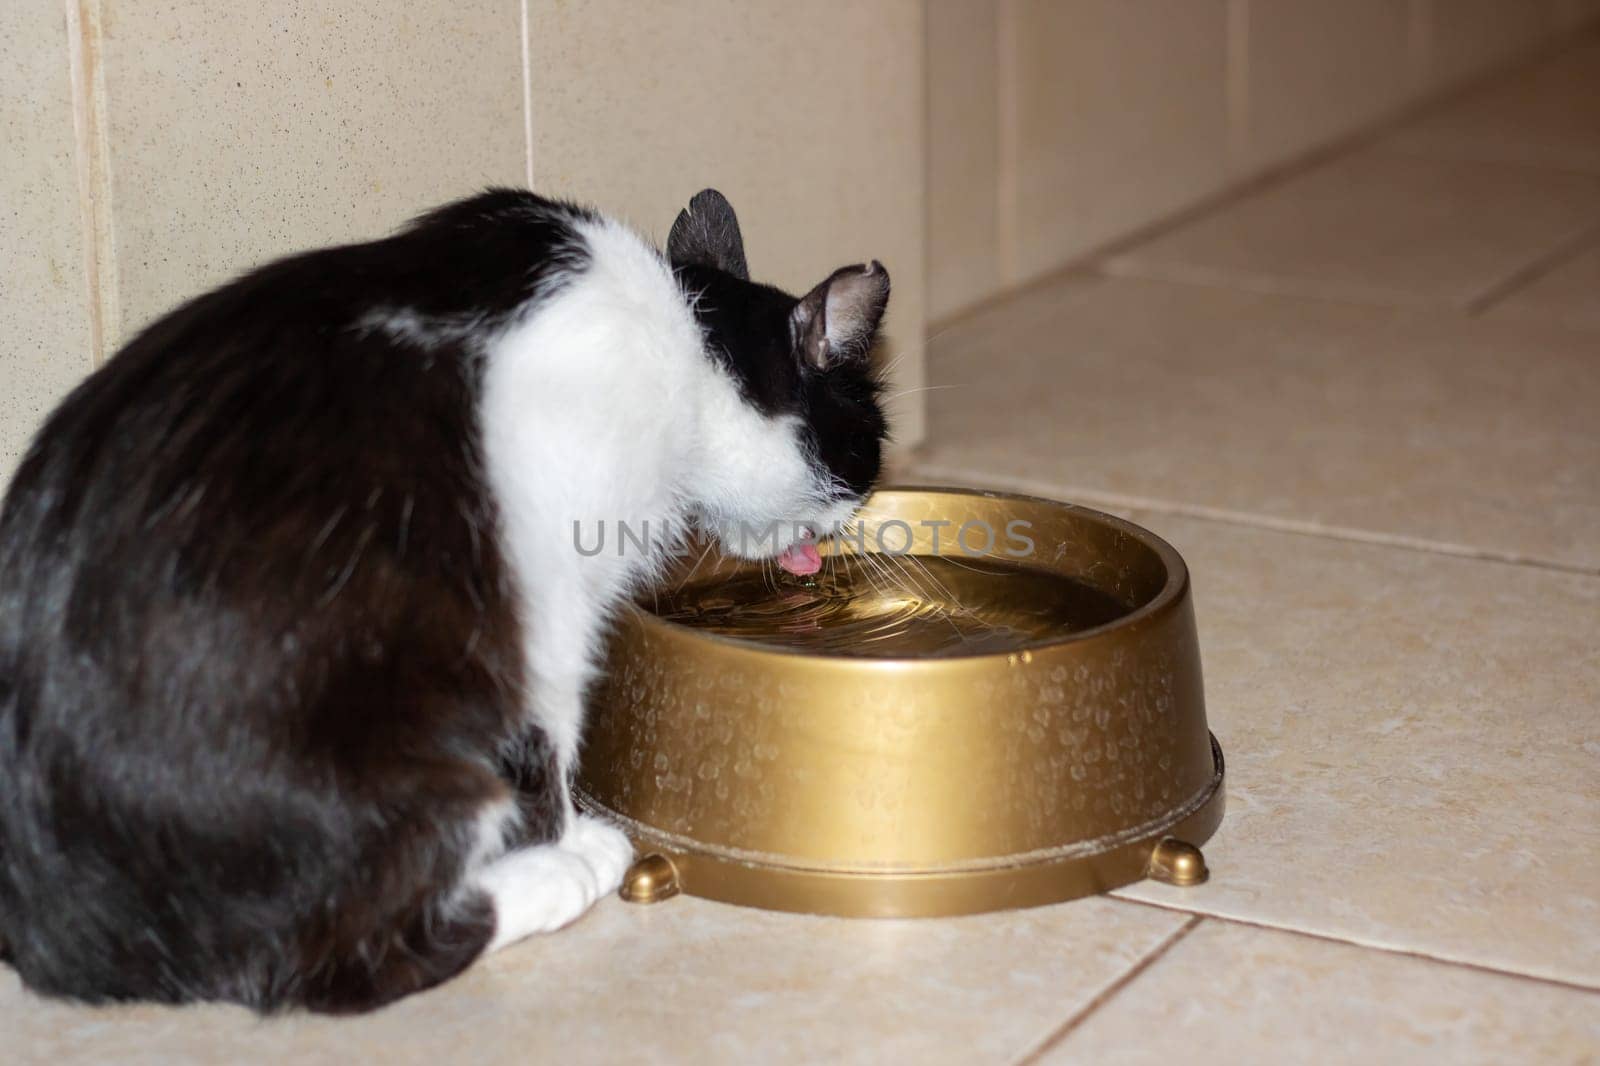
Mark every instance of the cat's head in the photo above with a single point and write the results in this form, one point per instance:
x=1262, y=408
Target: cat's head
x=795, y=456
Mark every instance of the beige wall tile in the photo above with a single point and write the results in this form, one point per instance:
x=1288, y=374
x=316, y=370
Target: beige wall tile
x=1121, y=119
x=44, y=308
x=1111, y=114
x=1237, y=995
x=1545, y=116
x=963, y=154
x=1573, y=14
x=1317, y=71
x=239, y=132
x=1469, y=38
x=684, y=981
x=809, y=117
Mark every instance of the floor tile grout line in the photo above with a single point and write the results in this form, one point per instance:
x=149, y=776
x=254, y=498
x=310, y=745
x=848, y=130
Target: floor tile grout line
x=1448, y=152
x=926, y=469
x=1291, y=289
x=1279, y=285
x=1110, y=263
x=1106, y=994
x=1539, y=267
x=1365, y=945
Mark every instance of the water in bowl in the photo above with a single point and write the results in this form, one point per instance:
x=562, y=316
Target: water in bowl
x=879, y=606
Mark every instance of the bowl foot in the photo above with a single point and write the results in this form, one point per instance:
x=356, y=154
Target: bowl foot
x=1177, y=862
x=650, y=880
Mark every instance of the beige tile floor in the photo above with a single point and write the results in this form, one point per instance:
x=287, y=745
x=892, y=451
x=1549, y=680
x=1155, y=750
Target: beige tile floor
x=1235, y=994
x=686, y=981
x=1380, y=227
x=1369, y=425
x=1397, y=425
x=1383, y=466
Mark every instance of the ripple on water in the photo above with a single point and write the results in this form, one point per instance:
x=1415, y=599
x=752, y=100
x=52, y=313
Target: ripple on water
x=881, y=606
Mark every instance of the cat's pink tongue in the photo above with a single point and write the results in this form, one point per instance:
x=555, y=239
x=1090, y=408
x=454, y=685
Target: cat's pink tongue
x=801, y=559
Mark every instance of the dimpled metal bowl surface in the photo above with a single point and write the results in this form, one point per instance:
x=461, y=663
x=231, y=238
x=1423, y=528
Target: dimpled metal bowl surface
x=874, y=785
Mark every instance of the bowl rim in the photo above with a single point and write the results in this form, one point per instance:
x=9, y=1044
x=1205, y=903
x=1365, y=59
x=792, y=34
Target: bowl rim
x=1171, y=594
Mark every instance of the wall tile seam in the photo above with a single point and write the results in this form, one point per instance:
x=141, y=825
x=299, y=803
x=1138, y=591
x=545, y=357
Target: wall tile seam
x=526, y=23
x=92, y=164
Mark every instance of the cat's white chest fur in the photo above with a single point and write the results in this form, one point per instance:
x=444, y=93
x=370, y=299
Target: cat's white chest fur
x=600, y=409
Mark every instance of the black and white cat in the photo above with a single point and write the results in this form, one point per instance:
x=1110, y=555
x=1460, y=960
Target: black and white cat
x=294, y=632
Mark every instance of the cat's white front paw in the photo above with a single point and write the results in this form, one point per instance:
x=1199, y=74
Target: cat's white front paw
x=603, y=846
x=537, y=890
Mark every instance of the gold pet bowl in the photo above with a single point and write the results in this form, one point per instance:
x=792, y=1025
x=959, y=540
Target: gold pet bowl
x=915, y=731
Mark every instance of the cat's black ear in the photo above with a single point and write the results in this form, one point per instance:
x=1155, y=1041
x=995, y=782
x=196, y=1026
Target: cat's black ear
x=838, y=319
x=707, y=234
